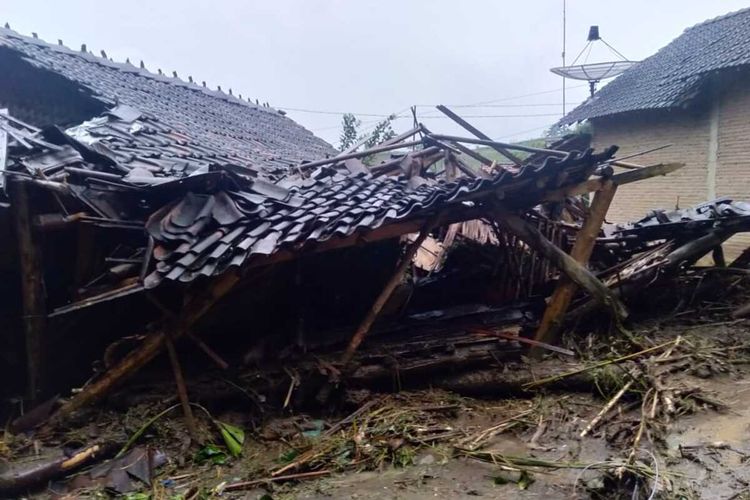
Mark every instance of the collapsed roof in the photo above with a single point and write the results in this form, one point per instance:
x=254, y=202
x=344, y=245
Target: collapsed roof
x=203, y=222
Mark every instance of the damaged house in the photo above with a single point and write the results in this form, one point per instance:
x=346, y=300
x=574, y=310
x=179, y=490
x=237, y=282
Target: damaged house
x=143, y=213
x=693, y=94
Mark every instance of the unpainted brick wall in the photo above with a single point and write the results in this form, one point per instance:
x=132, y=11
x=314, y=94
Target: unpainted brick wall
x=688, y=132
x=733, y=168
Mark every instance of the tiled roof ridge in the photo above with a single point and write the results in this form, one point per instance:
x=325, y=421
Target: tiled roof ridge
x=131, y=68
x=716, y=19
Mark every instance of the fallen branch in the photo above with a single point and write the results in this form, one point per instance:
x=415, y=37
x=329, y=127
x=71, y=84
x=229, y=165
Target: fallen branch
x=289, y=477
x=638, y=354
x=610, y=404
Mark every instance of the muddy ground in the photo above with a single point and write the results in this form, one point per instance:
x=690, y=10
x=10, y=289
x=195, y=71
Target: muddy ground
x=694, y=439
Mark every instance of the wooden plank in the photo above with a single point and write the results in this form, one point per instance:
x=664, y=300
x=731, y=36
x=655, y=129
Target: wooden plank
x=32, y=289
x=493, y=144
x=3, y=149
x=575, y=271
x=581, y=252
x=182, y=393
x=360, y=154
x=152, y=345
x=592, y=185
x=478, y=133
x=364, y=327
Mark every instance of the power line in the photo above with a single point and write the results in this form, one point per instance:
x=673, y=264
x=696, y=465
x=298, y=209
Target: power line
x=516, y=134
x=521, y=96
x=322, y=112
x=528, y=105
x=434, y=117
x=482, y=104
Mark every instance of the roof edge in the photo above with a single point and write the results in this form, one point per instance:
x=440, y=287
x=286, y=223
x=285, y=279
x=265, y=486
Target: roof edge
x=718, y=18
x=130, y=68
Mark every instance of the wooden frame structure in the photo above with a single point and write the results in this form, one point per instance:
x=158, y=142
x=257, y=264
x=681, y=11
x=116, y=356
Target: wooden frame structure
x=487, y=204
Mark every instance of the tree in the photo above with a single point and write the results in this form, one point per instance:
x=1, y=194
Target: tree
x=349, y=131
x=381, y=133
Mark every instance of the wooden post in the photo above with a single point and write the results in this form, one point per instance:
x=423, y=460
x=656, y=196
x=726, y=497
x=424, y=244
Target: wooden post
x=575, y=271
x=3, y=149
x=32, y=289
x=179, y=379
x=478, y=133
x=581, y=252
x=364, y=327
x=151, y=346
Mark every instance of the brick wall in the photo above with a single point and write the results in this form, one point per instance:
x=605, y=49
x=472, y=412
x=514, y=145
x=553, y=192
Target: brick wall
x=733, y=165
x=689, y=134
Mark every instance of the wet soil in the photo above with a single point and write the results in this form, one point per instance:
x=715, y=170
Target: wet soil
x=701, y=454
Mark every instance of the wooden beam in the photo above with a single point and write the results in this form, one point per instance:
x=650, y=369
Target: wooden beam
x=182, y=393
x=32, y=288
x=152, y=345
x=364, y=327
x=3, y=148
x=575, y=271
x=592, y=185
x=366, y=152
x=478, y=133
x=581, y=252
x=491, y=143
x=645, y=173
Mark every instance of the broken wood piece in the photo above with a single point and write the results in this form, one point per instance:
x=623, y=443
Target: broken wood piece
x=360, y=154
x=610, y=404
x=152, y=345
x=17, y=480
x=351, y=417
x=497, y=147
x=208, y=351
x=575, y=271
x=288, y=477
x=592, y=185
x=364, y=327
x=524, y=340
x=600, y=364
x=179, y=379
x=566, y=288
x=741, y=312
x=493, y=144
x=32, y=288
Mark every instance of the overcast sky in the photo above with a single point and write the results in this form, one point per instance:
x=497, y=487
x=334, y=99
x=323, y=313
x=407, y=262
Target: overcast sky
x=372, y=57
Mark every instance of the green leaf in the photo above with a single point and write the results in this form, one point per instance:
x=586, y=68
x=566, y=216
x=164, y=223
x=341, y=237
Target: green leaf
x=234, y=437
x=213, y=453
x=500, y=480
x=137, y=496
x=287, y=456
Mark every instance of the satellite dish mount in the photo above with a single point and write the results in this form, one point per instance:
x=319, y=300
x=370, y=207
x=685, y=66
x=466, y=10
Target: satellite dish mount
x=594, y=72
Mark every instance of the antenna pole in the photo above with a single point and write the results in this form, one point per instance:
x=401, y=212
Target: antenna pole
x=563, y=56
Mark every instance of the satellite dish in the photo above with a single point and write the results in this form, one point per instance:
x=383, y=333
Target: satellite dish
x=594, y=72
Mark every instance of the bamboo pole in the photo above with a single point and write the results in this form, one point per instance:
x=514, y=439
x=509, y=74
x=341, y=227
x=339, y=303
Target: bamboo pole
x=575, y=271
x=581, y=252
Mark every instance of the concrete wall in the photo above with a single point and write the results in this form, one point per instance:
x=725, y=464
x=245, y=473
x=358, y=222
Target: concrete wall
x=714, y=144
